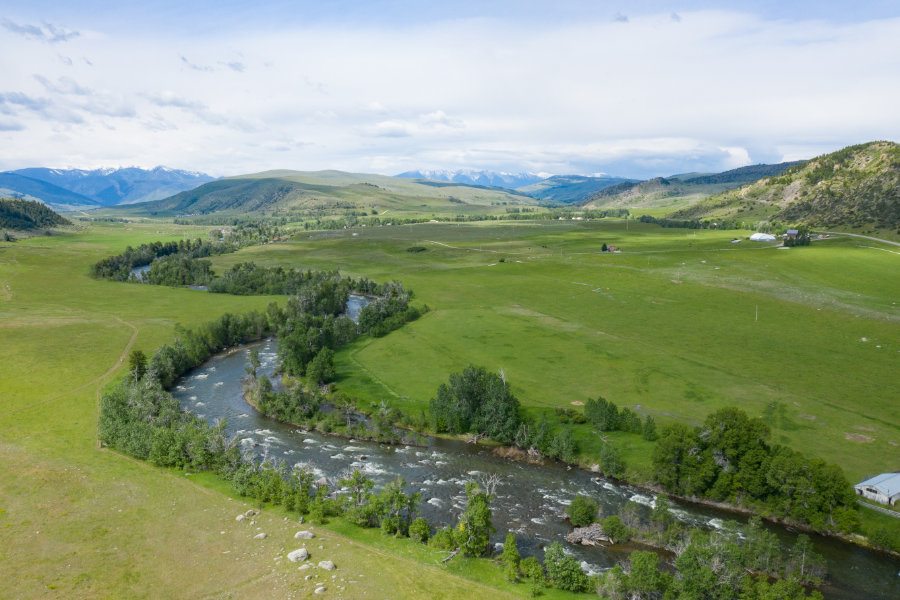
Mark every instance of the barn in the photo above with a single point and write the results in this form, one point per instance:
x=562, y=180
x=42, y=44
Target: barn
x=884, y=488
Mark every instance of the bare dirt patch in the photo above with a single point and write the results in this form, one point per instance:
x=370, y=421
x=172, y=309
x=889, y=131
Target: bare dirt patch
x=858, y=437
x=807, y=417
x=862, y=428
x=577, y=403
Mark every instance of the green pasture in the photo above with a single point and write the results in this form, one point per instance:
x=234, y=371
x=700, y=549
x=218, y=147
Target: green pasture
x=677, y=325
x=80, y=522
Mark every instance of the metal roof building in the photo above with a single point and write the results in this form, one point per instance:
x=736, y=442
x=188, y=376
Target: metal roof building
x=884, y=488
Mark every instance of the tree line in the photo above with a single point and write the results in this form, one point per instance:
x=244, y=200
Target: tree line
x=728, y=459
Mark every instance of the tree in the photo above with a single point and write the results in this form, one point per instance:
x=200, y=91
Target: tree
x=563, y=445
x=649, y=429
x=476, y=401
x=510, y=558
x=321, y=369
x=615, y=529
x=419, y=530
x=645, y=579
x=610, y=461
x=564, y=571
x=137, y=364
x=473, y=533
x=582, y=511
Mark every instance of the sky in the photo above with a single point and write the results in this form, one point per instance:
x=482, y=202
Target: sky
x=635, y=89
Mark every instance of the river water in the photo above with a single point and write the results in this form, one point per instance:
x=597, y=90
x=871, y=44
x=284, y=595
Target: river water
x=530, y=500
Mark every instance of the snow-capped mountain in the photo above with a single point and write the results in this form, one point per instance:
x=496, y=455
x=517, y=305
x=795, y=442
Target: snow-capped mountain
x=111, y=186
x=477, y=177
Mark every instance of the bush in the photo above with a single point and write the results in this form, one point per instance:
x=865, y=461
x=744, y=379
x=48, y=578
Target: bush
x=615, y=529
x=564, y=571
x=533, y=570
x=582, y=511
x=442, y=539
x=419, y=530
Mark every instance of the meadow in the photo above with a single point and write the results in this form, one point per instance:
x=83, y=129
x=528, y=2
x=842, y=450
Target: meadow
x=677, y=325
x=81, y=522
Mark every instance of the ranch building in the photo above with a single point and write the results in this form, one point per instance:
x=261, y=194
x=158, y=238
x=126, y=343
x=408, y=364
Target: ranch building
x=884, y=488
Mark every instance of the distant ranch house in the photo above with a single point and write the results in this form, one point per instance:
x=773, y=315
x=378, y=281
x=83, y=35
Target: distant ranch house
x=884, y=488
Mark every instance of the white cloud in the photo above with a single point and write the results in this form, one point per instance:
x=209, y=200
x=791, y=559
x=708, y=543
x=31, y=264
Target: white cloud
x=659, y=94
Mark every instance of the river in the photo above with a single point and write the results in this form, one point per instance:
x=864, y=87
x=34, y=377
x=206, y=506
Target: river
x=530, y=499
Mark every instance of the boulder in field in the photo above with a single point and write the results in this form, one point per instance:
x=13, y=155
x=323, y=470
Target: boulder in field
x=298, y=555
x=304, y=535
x=327, y=565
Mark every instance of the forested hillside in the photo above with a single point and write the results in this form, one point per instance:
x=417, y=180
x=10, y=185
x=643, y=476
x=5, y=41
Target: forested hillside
x=24, y=215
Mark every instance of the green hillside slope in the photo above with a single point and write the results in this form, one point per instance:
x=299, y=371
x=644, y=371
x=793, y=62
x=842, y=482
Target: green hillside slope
x=667, y=194
x=16, y=213
x=295, y=193
x=856, y=186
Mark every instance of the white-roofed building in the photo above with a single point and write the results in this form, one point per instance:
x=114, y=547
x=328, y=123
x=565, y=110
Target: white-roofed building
x=762, y=237
x=884, y=488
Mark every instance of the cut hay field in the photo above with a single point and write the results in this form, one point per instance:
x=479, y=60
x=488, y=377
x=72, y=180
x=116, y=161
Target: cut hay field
x=79, y=522
x=679, y=324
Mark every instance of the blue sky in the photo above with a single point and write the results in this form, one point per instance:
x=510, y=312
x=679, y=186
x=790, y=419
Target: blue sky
x=636, y=89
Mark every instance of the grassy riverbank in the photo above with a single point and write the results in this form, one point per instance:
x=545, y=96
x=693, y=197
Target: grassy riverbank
x=78, y=522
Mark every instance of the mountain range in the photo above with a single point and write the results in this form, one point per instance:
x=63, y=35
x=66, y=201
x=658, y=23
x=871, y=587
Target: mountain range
x=325, y=193
x=477, y=177
x=70, y=189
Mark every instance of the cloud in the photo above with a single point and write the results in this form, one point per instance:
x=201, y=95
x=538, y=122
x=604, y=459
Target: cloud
x=709, y=92
x=434, y=122
x=65, y=60
x=11, y=126
x=620, y=18
x=675, y=17
x=63, y=85
x=46, y=32
x=194, y=66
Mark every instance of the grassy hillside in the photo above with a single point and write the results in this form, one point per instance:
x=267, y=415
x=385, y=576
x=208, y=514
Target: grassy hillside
x=301, y=194
x=858, y=186
x=19, y=214
x=663, y=195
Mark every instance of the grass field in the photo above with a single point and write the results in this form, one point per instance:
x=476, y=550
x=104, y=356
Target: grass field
x=677, y=325
x=79, y=522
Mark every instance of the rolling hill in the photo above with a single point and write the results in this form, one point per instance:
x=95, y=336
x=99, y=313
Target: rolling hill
x=856, y=186
x=286, y=193
x=678, y=191
x=109, y=187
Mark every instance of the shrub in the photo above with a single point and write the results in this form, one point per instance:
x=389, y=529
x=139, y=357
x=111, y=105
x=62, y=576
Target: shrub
x=419, y=530
x=564, y=571
x=582, y=511
x=442, y=539
x=615, y=529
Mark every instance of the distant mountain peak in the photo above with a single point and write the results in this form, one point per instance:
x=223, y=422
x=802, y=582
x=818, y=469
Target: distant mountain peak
x=477, y=177
x=109, y=186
